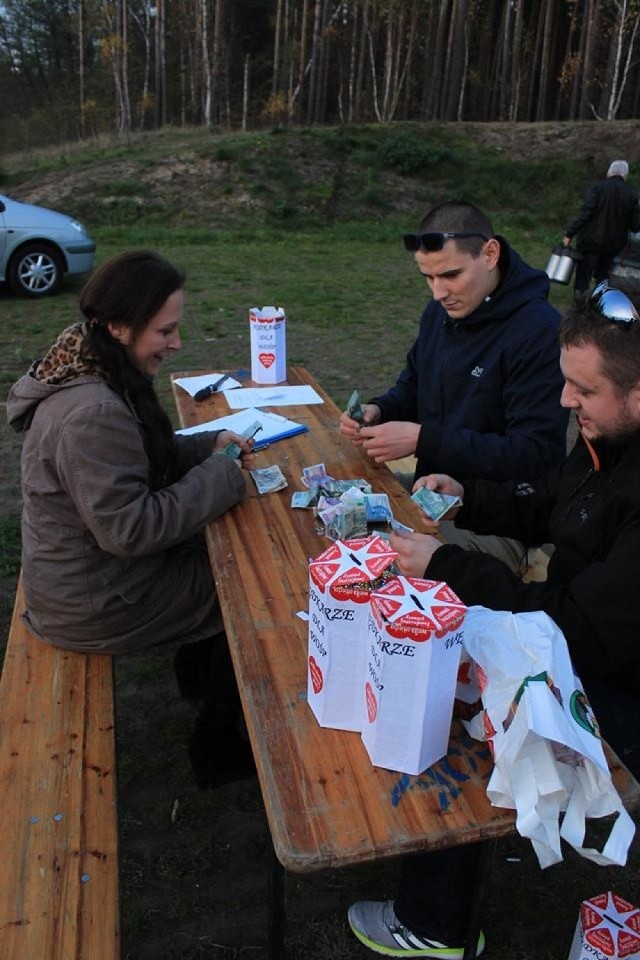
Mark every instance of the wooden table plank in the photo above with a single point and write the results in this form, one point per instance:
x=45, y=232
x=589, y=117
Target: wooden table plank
x=326, y=804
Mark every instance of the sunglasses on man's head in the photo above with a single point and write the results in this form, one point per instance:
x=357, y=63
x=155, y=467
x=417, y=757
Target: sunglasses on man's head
x=613, y=305
x=433, y=241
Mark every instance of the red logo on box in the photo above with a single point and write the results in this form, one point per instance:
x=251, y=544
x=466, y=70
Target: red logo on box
x=590, y=917
x=321, y=573
x=372, y=703
x=316, y=675
x=267, y=359
x=601, y=940
x=345, y=589
x=628, y=944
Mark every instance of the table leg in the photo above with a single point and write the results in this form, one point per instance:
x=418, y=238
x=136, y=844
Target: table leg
x=276, y=946
x=473, y=927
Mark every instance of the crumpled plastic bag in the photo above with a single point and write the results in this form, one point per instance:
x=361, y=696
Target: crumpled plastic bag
x=543, y=735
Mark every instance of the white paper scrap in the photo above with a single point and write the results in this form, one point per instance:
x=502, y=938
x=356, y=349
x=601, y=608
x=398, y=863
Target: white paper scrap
x=275, y=396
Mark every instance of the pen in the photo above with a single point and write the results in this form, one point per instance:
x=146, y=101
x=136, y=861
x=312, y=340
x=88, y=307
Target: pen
x=207, y=391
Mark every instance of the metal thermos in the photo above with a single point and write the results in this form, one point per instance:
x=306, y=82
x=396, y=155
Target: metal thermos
x=562, y=263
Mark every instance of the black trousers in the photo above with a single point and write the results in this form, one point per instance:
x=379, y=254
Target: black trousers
x=436, y=891
x=594, y=263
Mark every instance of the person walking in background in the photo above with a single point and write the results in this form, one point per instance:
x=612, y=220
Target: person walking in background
x=479, y=395
x=609, y=211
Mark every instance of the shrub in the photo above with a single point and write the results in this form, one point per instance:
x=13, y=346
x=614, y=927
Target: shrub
x=409, y=155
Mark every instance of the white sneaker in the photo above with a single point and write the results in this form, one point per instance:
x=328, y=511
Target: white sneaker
x=376, y=926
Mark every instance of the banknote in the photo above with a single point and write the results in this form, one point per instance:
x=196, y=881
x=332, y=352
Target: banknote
x=435, y=505
x=303, y=499
x=398, y=527
x=332, y=486
x=354, y=409
x=315, y=474
x=377, y=507
x=233, y=449
x=269, y=479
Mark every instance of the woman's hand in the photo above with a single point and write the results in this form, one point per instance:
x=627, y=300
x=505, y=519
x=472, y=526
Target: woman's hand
x=247, y=456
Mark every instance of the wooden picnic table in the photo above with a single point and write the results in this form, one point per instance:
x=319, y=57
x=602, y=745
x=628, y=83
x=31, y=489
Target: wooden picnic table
x=326, y=805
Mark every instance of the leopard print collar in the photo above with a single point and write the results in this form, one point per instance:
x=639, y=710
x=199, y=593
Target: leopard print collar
x=65, y=360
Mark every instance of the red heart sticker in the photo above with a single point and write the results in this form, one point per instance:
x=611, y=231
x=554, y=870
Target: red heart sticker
x=372, y=703
x=316, y=675
x=267, y=359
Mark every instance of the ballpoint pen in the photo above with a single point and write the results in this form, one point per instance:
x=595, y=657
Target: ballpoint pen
x=210, y=389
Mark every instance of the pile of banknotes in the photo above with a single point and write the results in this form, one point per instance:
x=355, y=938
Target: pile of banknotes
x=345, y=507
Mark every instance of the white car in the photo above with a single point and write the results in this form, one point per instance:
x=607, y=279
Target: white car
x=39, y=246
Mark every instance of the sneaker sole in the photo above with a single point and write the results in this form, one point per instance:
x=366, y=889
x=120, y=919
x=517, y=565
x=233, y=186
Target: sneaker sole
x=447, y=953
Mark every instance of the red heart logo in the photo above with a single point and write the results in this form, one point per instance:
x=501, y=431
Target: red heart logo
x=372, y=703
x=267, y=359
x=316, y=675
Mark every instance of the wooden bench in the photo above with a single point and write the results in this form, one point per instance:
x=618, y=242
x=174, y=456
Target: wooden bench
x=59, y=860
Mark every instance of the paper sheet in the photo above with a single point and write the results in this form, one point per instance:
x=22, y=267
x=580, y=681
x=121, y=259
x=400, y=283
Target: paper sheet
x=193, y=384
x=275, y=396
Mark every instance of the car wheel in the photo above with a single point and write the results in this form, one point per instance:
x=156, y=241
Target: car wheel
x=35, y=270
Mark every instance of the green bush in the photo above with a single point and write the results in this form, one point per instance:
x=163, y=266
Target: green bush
x=409, y=155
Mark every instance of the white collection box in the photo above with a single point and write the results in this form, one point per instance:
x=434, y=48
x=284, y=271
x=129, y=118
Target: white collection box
x=608, y=926
x=268, y=344
x=340, y=582
x=413, y=651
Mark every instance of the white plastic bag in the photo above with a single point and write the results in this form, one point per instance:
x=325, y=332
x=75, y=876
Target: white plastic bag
x=543, y=735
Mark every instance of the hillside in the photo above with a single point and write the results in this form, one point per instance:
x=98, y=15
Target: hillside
x=199, y=179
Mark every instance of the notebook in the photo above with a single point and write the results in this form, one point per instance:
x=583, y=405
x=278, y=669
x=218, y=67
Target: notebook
x=274, y=427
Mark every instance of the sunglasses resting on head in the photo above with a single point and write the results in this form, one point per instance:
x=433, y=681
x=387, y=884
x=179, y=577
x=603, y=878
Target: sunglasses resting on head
x=613, y=305
x=433, y=241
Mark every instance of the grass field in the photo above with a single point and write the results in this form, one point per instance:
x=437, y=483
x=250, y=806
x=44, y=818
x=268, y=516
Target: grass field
x=318, y=235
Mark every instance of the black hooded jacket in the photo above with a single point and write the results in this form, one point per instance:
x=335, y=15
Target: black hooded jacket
x=590, y=509
x=486, y=389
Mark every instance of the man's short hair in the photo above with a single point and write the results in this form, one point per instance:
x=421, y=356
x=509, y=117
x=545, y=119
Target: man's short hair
x=619, y=168
x=455, y=216
x=619, y=344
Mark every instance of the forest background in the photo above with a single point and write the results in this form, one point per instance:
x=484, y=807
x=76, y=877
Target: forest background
x=73, y=68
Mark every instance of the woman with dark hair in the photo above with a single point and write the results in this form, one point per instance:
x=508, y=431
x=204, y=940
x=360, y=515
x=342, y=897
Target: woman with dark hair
x=114, y=503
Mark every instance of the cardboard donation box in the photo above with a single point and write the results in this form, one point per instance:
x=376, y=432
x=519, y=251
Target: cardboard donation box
x=268, y=344
x=608, y=926
x=413, y=650
x=340, y=584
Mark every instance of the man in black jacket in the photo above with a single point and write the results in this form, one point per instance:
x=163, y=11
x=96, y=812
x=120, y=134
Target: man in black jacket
x=590, y=509
x=479, y=393
x=480, y=389
x=610, y=210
